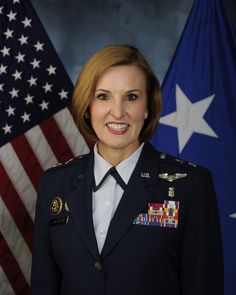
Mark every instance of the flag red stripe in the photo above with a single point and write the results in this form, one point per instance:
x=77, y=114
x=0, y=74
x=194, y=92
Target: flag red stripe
x=16, y=208
x=56, y=140
x=12, y=269
x=89, y=142
x=28, y=159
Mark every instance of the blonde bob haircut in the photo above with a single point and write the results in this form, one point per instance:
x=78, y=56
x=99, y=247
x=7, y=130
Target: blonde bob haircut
x=111, y=56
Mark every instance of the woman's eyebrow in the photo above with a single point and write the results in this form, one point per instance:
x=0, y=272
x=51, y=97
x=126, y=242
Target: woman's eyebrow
x=128, y=91
x=102, y=90
x=133, y=90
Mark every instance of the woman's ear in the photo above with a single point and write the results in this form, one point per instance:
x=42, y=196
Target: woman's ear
x=86, y=115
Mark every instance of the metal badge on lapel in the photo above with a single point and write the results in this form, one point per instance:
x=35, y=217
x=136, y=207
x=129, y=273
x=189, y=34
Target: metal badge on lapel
x=66, y=207
x=172, y=177
x=56, y=205
x=145, y=174
x=171, y=191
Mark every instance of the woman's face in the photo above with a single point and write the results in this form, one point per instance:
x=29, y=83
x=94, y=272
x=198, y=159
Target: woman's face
x=119, y=108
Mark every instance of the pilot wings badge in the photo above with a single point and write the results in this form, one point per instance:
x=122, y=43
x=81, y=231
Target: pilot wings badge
x=172, y=177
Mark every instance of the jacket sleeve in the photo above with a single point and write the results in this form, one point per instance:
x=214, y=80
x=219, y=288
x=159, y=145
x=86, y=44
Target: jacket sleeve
x=201, y=258
x=45, y=276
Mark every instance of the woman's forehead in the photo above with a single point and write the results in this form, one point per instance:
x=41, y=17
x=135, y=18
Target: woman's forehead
x=120, y=76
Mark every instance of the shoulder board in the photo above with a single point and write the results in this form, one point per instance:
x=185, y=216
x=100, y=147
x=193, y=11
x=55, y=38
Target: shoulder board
x=180, y=163
x=69, y=162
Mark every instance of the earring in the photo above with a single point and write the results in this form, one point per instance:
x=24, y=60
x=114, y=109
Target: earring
x=146, y=115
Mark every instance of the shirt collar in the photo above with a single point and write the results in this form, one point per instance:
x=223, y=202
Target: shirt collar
x=101, y=166
x=124, y=168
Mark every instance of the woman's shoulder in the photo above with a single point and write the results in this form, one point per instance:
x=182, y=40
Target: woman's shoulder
x=178, y=163
x=181, y=175
x=64, y=168
x=173, y=164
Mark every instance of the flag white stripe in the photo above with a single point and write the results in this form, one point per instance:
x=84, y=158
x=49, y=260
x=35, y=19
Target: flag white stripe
x=5, y=286
x=15, y=241
x=18, y=177
x=72, y=135
x=41, y=147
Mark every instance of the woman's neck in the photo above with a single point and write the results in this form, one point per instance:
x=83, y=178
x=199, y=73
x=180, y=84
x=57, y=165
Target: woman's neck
x=116, y=155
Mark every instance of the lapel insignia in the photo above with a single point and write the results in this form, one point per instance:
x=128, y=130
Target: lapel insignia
x=162, y=215
x=171, y=191
x=56, y=205
x=145, y=174
x=172, y=177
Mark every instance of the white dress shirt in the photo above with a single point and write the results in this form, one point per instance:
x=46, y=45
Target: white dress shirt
x=107, y=197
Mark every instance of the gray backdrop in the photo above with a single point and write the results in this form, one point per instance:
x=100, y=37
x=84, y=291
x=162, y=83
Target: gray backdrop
x=77, y=28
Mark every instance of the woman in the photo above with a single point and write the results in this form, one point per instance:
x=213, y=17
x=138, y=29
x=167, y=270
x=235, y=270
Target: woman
x=125, y=219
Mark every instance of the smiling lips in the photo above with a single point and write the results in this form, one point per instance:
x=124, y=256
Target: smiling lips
x=117, y=128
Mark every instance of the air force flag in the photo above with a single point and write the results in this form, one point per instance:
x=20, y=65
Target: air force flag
x=198, y=121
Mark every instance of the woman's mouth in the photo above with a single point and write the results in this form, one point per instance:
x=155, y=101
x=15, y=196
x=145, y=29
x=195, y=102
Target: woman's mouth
x=117, y=128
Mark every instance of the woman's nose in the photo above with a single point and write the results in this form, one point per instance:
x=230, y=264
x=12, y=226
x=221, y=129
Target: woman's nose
x=117, y=108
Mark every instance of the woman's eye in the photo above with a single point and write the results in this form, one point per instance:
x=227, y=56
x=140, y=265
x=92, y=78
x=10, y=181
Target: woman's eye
x=102, y=96
x=132, y=97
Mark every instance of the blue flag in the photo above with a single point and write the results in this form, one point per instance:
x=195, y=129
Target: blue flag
x=198, y=121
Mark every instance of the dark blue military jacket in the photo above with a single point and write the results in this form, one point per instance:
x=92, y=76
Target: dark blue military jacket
x=164, y=237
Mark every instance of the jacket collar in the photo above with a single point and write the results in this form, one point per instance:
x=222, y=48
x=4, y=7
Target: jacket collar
x=133, y=201
x=79, y=202
x=135, y=198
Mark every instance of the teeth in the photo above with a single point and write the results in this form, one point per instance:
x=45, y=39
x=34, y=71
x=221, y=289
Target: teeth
x=117, y=127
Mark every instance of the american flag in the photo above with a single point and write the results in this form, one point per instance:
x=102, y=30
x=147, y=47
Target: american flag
x=36, y=131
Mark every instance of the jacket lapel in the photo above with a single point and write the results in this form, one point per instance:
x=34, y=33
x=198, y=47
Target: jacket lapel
x=135, y=198
x=79, y=202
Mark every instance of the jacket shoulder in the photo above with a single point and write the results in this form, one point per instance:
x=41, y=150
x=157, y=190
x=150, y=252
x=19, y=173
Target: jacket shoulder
x=179, y=164
x=79, y=161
